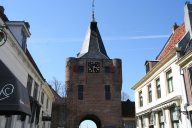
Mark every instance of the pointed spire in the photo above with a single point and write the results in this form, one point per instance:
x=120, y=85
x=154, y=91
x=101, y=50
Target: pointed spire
x=93, y=46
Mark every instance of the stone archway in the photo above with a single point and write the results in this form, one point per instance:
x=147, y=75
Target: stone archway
x=93, y=118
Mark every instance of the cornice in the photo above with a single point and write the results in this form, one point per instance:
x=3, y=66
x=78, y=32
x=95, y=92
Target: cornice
x=176, y=100
x=183, y=61
x=48, y=91
x=156, y=67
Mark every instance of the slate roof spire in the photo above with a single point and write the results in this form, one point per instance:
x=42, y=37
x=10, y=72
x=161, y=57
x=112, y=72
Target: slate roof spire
x=93, y=46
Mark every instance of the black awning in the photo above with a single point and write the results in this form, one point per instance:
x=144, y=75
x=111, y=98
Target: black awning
x=14, y=97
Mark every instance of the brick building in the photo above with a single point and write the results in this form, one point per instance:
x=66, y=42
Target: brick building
x=93, y=83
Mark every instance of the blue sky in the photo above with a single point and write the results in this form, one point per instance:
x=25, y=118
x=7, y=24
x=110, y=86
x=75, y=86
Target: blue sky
x=133, y=30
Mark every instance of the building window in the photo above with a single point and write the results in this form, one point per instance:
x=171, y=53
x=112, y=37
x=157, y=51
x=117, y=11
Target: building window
x=140, y=99
x=81, y=69
x=107, y=92
x=47, y=105
x=107, y=69
x=190, y=73
x=23, y=40
x=80, y=92
x=35, y=91
x=147, y=67
x=158, y=88
x=151, y=120
x=78, y=69
x=29, y=84
x=142, y=122
x=42, y=97
x=161, y=119
x=174, y=118
x=149, y=93
x=169, y=81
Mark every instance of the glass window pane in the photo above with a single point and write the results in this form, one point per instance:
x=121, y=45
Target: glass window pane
x=80, y=92
x=81, y=69
x=35, y=91
x=169, y=81
x=150, y=93
x=174, y=118
x=107, y=92
x=29, y=84
x=140, y=99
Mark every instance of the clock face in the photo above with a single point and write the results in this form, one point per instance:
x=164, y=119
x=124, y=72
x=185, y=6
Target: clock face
x=3, y=37
x=93, y=67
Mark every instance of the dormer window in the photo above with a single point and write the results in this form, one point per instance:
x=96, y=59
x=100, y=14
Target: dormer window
x=147, y=67
x=150, y=64
x=23, y=40
x=20, y=31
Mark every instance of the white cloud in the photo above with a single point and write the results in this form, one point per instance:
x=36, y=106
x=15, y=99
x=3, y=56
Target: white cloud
x=124, y=38
x=75, y=39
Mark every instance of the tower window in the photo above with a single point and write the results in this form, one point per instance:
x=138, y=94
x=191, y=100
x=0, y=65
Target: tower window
x=78, y=69
x=80, y=92
x=107, y=69
x=81, y=69
x=107, y=92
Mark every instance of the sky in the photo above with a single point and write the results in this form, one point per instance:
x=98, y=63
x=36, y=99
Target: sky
x=132, y=30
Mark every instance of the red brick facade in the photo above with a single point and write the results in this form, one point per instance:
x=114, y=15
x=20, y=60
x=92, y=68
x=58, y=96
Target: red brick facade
x=93, y=105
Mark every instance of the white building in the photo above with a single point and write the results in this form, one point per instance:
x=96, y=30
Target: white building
x=160, y=96
x=25, y=97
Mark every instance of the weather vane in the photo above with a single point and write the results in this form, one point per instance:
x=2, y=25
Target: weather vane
x=93, y=10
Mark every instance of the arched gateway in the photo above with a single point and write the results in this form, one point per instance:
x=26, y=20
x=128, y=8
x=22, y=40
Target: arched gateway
x=94, y=84
x=93, y=118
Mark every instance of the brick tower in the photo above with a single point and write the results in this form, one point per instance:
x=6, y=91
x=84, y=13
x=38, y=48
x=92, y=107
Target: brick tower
x=93, y=82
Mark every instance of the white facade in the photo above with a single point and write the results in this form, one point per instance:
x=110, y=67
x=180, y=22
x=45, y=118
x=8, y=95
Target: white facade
x=160, y=96
x=168, y=100
x=13, y=55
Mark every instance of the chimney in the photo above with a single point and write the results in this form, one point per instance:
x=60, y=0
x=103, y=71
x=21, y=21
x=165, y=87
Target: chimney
x=175, y=26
